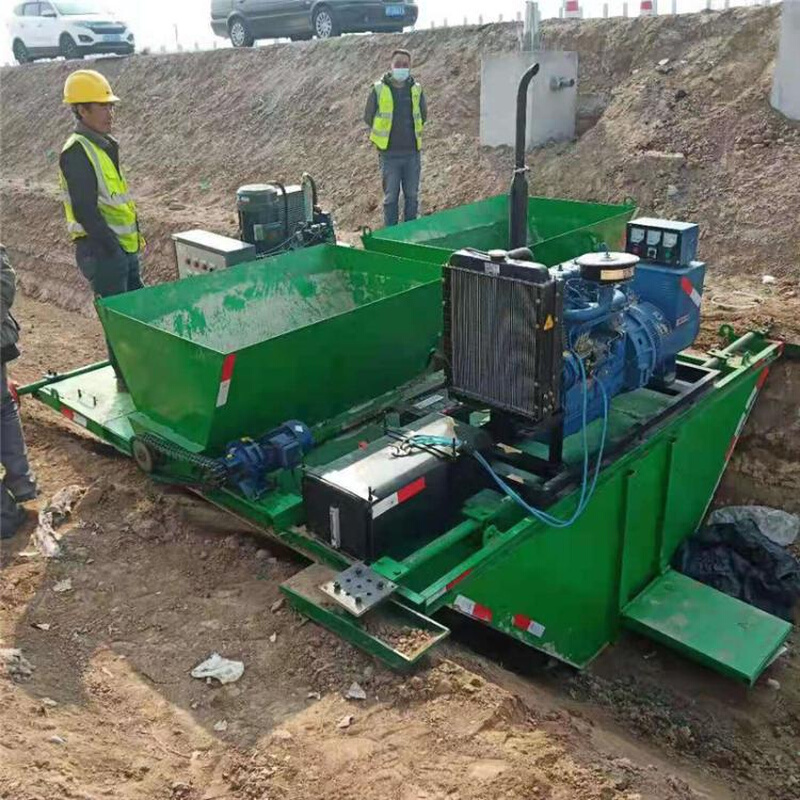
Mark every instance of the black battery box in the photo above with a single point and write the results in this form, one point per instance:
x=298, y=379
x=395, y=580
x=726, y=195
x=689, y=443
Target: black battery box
x=387, y=500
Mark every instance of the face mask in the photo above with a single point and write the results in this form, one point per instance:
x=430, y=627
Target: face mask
x=401, y=73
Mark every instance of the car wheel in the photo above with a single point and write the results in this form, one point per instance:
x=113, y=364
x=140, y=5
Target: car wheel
x=325, y=24
x=240, y=33
x=21, y=52
x=69, y=49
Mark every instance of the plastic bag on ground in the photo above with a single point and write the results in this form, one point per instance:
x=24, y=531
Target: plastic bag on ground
x=778, y=526
x=737, y=559
x=223, y=669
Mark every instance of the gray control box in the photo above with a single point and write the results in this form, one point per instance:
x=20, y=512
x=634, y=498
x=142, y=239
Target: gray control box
x=198, y=252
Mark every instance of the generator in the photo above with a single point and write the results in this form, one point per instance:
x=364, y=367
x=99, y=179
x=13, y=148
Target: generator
x=274, y=217
x=527, y=341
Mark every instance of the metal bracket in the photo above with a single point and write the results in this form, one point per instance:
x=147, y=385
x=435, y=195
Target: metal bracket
x=358, y=589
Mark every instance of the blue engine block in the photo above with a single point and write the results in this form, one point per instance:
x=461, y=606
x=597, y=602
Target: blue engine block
x=627, y=334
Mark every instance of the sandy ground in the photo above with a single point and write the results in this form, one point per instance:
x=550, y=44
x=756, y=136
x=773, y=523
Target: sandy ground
x=159, y=580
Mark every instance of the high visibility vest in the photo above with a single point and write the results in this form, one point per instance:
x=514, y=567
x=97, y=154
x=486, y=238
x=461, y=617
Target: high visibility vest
x=113, y=200
x=382, y=123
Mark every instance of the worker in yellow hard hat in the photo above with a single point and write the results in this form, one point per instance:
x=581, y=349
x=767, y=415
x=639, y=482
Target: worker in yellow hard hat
x=101, y=214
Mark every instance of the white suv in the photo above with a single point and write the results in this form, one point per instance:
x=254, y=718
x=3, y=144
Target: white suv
x=69, y=28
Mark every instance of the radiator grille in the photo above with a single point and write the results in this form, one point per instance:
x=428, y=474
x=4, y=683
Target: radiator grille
x=502, y=351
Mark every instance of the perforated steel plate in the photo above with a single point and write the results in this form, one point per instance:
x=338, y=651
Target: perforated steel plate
x=358, y=589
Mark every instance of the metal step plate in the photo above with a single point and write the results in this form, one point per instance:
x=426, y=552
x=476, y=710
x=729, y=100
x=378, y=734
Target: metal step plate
x=719, y=631
x=358, y=589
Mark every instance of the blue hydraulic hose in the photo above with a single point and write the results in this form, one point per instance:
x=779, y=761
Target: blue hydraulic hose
x=587, y=491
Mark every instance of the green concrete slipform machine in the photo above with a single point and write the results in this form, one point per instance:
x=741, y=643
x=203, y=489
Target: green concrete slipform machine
x=491, y=409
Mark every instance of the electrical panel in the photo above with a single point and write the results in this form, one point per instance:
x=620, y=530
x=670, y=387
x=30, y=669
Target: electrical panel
x=198, y=252
x=663, y=241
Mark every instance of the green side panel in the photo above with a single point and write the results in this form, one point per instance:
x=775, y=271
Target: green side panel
x=561, y=590
x=306, y=335
x=557, y=230
x=719, y=631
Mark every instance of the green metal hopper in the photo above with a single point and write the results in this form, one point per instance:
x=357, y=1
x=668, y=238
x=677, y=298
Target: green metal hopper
x=306, y=335
x=557, y=230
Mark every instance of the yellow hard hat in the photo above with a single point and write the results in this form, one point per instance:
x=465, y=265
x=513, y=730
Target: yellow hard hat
x=88, y=86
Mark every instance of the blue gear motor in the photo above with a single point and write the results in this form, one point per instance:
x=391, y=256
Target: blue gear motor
x=249, y=463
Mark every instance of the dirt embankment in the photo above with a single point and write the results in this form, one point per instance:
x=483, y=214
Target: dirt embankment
x=691, y=138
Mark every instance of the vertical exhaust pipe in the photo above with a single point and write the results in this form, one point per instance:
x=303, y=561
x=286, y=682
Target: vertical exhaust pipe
x=518, y=197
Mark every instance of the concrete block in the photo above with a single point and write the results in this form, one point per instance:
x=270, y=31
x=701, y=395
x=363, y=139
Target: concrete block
x=786, y=82
x=552, y=102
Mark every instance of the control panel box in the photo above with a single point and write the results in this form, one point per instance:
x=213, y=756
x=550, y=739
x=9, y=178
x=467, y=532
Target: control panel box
x=198, y=252
x=663, y=241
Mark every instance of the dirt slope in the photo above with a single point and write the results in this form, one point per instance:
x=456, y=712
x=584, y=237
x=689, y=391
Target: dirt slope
x=697, y=140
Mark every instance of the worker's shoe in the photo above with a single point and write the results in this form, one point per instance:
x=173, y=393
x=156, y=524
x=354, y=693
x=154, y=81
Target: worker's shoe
x=12, y=515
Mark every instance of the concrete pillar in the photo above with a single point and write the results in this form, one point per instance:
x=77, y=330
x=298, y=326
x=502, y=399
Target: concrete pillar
x=624, y=9
x=674, y=7
x=605, y=10
x=786, y=83
x=532, y=22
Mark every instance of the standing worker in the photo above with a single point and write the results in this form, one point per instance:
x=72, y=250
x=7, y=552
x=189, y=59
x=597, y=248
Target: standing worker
x=396, y=113
x=101, y=215
x=18, y=484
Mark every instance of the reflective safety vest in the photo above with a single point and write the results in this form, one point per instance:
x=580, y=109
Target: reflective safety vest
x=382, y=123
x=113, y=200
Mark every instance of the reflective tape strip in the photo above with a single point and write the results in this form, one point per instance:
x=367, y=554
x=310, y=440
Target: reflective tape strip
x=398, y=497
x=688, y=288
x=383, y=115
x=225, y=379
x=451, y=584
x=528, y=625
x=746, y=413
x=472, y=609
x=122, y=230
x=74, y=416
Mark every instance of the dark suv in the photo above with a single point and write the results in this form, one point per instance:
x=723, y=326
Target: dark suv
x=244, y=21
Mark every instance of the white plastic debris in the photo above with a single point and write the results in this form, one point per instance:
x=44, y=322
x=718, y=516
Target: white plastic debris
x=222, y=669
x=56, y=739
x=773, y=684
x=42, y=626
x=345, y=722
x=663, y=62
x=221, y=726
x=48, y=701
x=768, y=279
x=778, y=526
x=63, y=586
x=55, y=513
x=355, y=692
x=314, y=696
x=273, y=638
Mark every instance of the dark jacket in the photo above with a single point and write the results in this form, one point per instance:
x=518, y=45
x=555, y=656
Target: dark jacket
x=82, y=185
x=9, y=329
x=402, y=138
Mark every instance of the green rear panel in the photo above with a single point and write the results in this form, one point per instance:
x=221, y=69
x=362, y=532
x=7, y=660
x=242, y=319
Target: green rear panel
x=303, y=336
x=557, y=230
